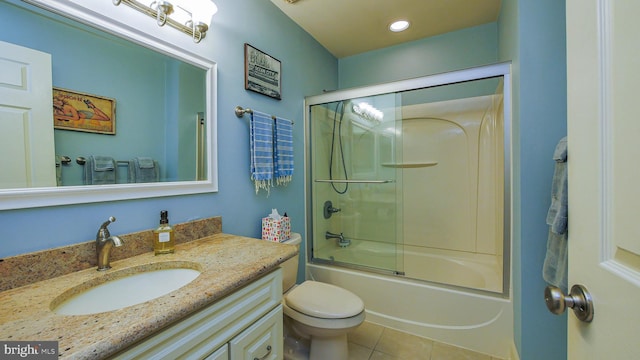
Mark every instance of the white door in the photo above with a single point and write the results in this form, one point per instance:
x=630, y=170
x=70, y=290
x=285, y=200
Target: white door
x=603, y=82
x=27, y=153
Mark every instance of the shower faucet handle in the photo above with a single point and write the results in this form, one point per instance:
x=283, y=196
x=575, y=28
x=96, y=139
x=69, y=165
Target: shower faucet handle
x=329, y=210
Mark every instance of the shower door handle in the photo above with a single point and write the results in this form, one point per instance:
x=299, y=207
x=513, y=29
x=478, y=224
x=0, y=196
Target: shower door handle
x=578, y=299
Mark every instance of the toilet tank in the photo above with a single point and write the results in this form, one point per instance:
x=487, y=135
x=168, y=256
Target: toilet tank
x=290, y=267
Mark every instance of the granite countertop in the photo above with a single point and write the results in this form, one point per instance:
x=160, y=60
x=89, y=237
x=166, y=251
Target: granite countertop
x=227, y=262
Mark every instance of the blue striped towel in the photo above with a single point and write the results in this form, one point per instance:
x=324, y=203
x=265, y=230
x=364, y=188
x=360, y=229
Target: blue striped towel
x=283, y=154
x=261, y=142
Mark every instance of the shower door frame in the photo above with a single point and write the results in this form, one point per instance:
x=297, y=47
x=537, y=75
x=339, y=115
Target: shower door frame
x=459, y=76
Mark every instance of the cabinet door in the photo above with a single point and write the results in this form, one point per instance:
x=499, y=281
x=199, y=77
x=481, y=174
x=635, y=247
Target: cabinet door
x=220, y=354
x=261, y=341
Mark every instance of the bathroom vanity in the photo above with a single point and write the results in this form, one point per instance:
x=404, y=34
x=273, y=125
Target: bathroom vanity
x=244, y=325
x=232, y=310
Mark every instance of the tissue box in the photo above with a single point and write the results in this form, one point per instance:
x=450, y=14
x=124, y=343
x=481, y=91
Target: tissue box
x=276, y=230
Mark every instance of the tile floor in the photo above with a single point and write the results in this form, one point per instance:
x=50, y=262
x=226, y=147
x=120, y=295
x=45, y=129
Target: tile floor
x=374, y=342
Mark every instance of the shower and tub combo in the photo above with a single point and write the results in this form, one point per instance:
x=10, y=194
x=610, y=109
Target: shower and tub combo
x=408, y=203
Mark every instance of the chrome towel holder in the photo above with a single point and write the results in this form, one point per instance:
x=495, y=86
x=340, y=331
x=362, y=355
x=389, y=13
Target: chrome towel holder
x=240, y=111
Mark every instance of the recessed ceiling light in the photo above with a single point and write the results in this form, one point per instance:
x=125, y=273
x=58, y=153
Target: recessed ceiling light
x=399, y=25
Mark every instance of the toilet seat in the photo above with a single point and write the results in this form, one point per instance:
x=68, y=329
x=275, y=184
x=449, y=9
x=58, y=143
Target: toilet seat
x=320, y=323
x=324, y=301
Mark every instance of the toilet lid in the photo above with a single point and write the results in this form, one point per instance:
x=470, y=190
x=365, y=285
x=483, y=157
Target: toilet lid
x=324, y=301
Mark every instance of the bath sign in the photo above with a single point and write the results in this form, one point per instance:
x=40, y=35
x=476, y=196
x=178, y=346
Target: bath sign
x=261, y=73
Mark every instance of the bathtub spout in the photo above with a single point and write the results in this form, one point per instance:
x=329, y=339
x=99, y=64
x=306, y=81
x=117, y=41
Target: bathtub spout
x=342, y=242
x=329, y=235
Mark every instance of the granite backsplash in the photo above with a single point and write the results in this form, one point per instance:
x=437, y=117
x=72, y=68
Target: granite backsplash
x=24, y=269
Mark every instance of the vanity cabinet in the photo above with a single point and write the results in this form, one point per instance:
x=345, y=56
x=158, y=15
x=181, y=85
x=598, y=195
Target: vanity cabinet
x=261, y=341
x=220, y=354
x=246, y=324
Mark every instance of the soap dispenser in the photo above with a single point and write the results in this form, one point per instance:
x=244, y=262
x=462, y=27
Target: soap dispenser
x=163, y=242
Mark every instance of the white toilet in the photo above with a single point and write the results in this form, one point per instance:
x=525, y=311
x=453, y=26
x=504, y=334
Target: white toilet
x=317, y=315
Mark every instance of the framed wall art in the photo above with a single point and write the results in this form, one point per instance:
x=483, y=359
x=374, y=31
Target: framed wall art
x=83, y=112
x=262, y=73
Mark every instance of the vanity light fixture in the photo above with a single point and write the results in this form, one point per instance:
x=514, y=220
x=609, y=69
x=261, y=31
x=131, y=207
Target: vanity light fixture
x=201, y=14
x=400, y=25
x=192, y=17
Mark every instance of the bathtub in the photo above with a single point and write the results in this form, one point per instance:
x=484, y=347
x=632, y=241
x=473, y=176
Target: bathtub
x=458, y=317
x=474, y=271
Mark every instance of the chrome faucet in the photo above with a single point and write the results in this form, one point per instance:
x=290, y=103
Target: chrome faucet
x=104, y=243
x=342, y=242
x=330, y=235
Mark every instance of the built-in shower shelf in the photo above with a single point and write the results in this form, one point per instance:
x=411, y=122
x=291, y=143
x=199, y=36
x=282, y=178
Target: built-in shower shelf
x=408, y=165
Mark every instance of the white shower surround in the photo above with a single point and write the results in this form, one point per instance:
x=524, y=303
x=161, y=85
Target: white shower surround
x=466, y=318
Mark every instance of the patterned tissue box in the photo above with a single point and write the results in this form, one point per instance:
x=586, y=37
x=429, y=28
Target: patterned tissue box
x=276, y=230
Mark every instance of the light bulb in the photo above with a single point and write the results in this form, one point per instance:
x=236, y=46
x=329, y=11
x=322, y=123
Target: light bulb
x=202, y=11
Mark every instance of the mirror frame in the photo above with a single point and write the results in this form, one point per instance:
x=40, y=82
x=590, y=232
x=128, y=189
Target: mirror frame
x=104, y=18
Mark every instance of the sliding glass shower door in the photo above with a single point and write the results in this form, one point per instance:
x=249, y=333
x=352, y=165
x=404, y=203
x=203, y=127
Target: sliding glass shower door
x=414, y=181
x=355, y=183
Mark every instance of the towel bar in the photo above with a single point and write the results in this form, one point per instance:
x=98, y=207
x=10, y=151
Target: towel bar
x=240, y=111
x=81, y=161
x=356, y=181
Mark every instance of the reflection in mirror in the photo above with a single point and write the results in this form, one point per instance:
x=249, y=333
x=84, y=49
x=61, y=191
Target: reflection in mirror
x=159, y=107
x=157, y=98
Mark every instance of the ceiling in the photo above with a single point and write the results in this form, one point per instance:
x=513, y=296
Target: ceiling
x=349, y=27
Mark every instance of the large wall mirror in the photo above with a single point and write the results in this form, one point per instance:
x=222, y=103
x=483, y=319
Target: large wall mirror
x=159, y=99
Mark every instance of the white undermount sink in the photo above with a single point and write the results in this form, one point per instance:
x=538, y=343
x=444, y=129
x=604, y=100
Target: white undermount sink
x=123, y=291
